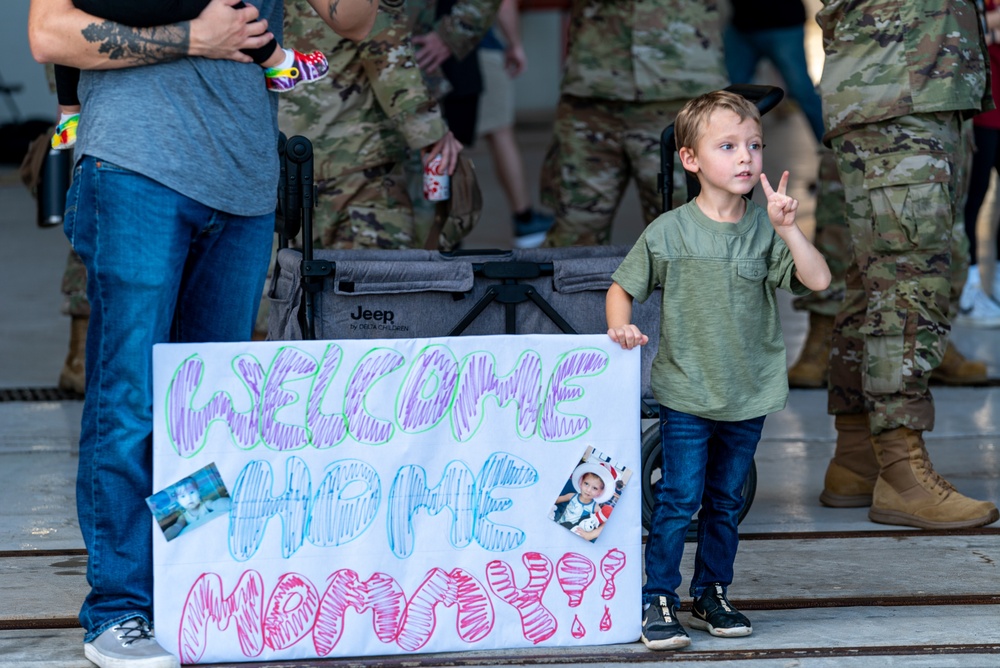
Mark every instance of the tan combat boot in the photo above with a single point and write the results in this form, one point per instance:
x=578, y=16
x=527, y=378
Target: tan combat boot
x=955, y=369
x=909, y=492
x=850, y=476
x=812, y=367
x=71, y=378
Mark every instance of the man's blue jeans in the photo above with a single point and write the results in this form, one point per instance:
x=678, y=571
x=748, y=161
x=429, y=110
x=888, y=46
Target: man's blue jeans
x=705, y=462
x=784, y=48
x=160, y=268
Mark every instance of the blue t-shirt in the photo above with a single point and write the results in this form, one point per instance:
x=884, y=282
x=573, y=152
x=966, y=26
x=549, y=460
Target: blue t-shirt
x=204, y=128
x=576, y=508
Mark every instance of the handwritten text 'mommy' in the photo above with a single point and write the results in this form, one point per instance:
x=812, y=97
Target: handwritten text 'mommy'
x=297, y=610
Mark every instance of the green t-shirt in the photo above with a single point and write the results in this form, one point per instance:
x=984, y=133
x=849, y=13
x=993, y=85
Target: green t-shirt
x=721, y=352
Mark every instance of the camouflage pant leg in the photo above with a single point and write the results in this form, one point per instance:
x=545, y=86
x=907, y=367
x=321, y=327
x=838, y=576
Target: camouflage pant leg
x=548, y=179
x=959, y=239
x=644, y=123
x=892, y=328
x=74, y=287
x=598, y=146
x=833, y=238
x=366, y=209
x=592, y=173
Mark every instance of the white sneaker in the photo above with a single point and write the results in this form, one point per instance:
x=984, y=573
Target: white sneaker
x=977, y=309
x=130, y=644
x=973, y=283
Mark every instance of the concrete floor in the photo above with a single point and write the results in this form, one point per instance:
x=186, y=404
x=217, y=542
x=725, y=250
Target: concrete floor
x=38, y=461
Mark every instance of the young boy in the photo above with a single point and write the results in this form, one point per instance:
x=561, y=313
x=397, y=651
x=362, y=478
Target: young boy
x=720, y=366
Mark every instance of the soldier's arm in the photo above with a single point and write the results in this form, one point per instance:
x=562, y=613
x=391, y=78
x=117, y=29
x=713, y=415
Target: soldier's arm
x=352, y=19
x=58, y=32
x=388, y=60
x=466, y=24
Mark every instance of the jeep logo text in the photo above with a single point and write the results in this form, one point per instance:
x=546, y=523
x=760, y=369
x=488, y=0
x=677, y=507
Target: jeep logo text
x=380, y=316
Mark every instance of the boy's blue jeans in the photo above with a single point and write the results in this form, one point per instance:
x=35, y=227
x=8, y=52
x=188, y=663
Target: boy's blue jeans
x=160, y=267
x=705, y=462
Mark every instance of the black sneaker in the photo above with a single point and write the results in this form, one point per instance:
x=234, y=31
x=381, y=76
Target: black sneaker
x=660, y=628
x=714, y=613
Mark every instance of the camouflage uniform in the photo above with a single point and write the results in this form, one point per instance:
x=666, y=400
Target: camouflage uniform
x=899, y=77
x=362, y=120
x=461, y=29
x=74, y=287
x=833, y=236
x=631, y=66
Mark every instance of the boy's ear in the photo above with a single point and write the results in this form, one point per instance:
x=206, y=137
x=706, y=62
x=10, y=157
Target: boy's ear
x=689, y=160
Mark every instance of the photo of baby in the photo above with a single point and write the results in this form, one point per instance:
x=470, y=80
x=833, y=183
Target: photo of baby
x=190, y=502
x=589, y=496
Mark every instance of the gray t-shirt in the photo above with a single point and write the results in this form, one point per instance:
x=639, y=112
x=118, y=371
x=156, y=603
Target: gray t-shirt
x=721, y=353
x=204, y=128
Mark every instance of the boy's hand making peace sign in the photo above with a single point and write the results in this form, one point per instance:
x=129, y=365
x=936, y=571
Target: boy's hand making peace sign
x=780, y=207
x=810, y=266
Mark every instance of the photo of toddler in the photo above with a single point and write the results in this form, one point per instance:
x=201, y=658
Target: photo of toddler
x=590, y=494
x=190, y=502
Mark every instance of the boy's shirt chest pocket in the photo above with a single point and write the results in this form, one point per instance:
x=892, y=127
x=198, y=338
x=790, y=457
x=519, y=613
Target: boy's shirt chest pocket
x=752, y=270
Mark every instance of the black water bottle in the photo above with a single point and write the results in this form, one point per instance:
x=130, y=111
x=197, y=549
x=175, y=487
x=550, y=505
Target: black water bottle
x=56, y=174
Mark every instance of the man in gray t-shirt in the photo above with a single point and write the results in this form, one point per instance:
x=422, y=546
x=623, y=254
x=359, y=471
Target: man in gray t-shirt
x=172, y=211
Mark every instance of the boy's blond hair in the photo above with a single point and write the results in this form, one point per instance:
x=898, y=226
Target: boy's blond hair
x=691, y=121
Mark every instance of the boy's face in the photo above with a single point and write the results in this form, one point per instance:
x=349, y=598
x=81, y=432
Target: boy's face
x=728, y=156
x=591, y=486
x=189, y=497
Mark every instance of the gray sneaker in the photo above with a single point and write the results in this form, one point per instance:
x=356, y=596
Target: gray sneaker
x=130, y=644
x=660, y=628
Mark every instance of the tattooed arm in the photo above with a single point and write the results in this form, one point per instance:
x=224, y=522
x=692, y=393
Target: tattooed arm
x=352, y=19
x=60, y=33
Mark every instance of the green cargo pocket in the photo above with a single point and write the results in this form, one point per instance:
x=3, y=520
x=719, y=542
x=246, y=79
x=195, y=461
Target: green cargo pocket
x=885, y=345
x=883, y=364
x=911, y=202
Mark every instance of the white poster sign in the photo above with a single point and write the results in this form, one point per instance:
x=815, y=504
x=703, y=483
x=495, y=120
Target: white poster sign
x=358, y=498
